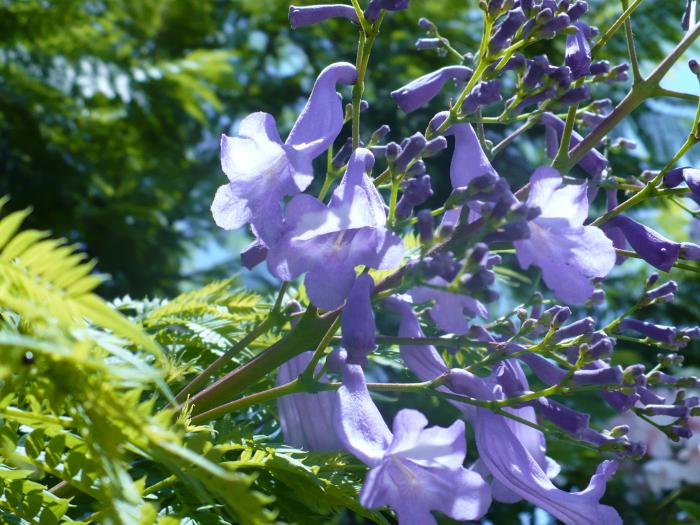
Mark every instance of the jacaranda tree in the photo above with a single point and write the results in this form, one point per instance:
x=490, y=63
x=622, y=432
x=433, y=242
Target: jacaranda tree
x=483, y=310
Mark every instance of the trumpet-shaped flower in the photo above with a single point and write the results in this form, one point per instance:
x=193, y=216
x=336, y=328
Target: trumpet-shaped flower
x=569, y=253
x=262, y=169
x=328, y=242
x=413, y=469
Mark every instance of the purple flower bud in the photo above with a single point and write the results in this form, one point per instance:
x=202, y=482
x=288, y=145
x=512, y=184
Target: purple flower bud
x=392, y=151
x=681, y=432
x=341, y=158
x=649, y=245
x=665, y=290
x=581, y=327
x=561, y=75
x=416, y=169
x=483, y=94
x=694, y=66
x=664, y=334
x=516, y=63
x=536, y=68
x=680, y=411
x=599, y=68
x=417, y=191
x=375, y=6
x=567, y=419
x=415, y=145
x=379, y=133
x=690, y=175
x=313, y=14
x=422, y=90
x=578, y=53
x=427, y=25
x=443, y=265
x=598, y=297
x=575, y=95
x=577, y=10
x=537, y=98
x=435, y=146
x=612, y=375
x=357, y=321
x=634, y=375
x=690, y=251
x=510, y=25
x=600, y=349
x=425, y=224
x=254, y=254
x=555, y=25
x=428, y=43
x=619, y=73
x=493, y=260
x=561, y=316
x=515, y=231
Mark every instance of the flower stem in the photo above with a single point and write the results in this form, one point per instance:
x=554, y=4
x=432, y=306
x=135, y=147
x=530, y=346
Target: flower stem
x=304, y=335
x=639, y=93
x=201, y=378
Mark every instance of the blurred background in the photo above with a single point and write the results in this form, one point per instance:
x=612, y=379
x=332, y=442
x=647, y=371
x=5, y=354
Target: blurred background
x=111, y=112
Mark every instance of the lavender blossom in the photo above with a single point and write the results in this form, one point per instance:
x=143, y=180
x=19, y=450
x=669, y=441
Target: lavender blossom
x=262, y=169
x=578, y=53
x=328, y=242
x=691, y=176
x=569, y=253
x=650, y=245
x=422, y=90
x=412, y=469
x=313, y=14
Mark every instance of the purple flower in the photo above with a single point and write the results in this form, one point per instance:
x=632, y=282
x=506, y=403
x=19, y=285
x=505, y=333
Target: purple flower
x=375, y=6
x=328, y=242
x=512, y=464
x=306, y=419
x=359, y=338
x=468, y=160
x=413, y=469
x=592, y=162
x=650, y=245
x=313, y=14
x=262, y=169
x=569, y=253
x=516, y=459
x=578, y=52
x=690, y=175
x=422, y=90
x=450, y=309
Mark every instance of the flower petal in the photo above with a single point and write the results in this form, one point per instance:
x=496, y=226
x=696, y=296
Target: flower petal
x=328, y=285
x=511, y=463
x=306, y=419
x=322, y=118
x=569, y=258
x=359, y=424
x=228, y=210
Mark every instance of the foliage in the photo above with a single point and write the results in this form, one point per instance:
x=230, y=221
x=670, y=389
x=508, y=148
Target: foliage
x=88, y=435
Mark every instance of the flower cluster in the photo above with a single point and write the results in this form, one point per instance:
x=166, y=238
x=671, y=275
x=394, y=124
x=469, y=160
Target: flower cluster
x=447, y=280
